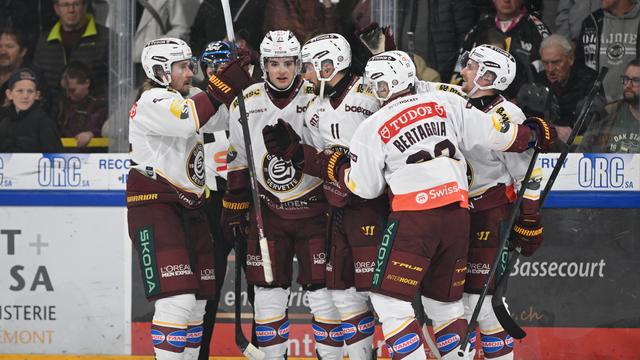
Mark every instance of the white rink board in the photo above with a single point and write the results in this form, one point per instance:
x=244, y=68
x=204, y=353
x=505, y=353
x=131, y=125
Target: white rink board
x=581, y=172
x=81, y=270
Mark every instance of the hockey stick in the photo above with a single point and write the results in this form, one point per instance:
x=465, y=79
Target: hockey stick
x=497, y=301
x=246, y=348
x=262, y=239
x=473, y=322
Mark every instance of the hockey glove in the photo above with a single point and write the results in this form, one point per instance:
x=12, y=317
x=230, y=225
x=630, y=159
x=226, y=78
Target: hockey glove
x=331, y=164
x=376, y=39
x=282, y=141
x=545, y=134
x=527, y=232
x=235, y=214
x=224, y=86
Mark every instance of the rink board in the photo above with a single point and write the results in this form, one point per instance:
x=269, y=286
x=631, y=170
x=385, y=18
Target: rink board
x=577, y=295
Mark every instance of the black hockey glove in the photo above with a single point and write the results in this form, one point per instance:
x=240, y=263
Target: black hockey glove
x=235, y=214
x=377, y=39
x=527, y=232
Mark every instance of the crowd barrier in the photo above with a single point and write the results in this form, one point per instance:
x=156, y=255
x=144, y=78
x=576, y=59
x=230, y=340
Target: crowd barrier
x=70, y=284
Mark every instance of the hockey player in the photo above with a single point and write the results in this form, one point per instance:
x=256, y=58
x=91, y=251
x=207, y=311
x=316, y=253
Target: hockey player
x=293, y=205
x=355, y=223
x=412, y=145
x=165, y=190
x=493, y=179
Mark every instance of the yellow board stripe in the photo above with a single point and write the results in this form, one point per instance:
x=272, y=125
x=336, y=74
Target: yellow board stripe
x=94, y=142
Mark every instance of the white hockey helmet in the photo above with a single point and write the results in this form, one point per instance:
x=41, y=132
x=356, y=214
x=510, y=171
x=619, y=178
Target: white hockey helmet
x=279, y=43
x=158, y=55
x=392, y=70
x=325, y=48
x=493, y=63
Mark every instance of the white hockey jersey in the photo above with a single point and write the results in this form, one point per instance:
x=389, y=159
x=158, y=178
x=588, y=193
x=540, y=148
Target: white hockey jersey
x=216, y=144
x=287, y=190
x=488, y=169
x=164, y=139
x=330, y=124
x=414, y=145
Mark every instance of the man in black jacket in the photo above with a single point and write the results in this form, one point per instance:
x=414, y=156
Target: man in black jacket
x=75, y=37
x=24, y=126
x=523, y=31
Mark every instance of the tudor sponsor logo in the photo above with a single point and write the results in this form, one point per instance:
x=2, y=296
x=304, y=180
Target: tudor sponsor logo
x=409, y=116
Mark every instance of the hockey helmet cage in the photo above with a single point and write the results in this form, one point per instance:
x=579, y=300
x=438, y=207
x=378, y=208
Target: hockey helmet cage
x=279, y=43
x=325, y=49
x=216, y=53
x=158, y=55
x=494, y=64
x=389, y=73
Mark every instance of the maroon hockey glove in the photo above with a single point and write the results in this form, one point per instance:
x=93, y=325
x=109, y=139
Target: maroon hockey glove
x=527, y=232
x=282, y=141
x=332, y=164
x=235, y=214
x=545, y=133
x=229, y=82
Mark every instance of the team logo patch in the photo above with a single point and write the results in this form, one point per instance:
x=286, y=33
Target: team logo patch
x=179, y=109
x=500, y=124
x=283, y=330
x=195, y=165
x=615, y=52
x=265, y=333
x=157, y=337
x=336, y=334
x=194, y=335
x=279, y=175
x=447, y=342
x=177, y=338
x=319, y=333
x=491, y=344
x=367, y=325
x=407, y=343
x=348, y=331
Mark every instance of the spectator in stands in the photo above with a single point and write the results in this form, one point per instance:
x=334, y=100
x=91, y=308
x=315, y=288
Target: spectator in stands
x=608, y=38
x=524, y=33
x=75, y=37
x=12, y=53
x=81, y=113
x=305, y=18
x=24, y=126
x=163, y=18
x=30, y=17
x=439, y=26
x=571, y=13
x=568, y=84
x=619, y=131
